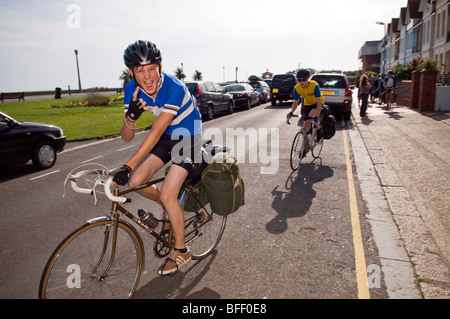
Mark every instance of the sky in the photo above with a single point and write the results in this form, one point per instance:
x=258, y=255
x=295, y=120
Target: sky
x=38, y=37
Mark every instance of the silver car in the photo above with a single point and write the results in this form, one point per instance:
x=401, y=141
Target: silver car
x=336, y=92
x=262, y=88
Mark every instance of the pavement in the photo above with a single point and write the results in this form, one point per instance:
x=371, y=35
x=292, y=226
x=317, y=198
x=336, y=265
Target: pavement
x=402, y=160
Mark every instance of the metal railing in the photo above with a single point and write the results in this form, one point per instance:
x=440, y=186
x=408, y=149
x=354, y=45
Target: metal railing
x=443, y=79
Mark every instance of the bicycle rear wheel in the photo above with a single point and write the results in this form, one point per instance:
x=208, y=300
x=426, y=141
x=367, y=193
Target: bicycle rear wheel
x=203, y=232
x=297, y=150
x=76, y=267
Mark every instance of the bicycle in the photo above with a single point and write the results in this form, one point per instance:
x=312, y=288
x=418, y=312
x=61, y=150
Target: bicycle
x=390, y=97
x=303, y=142
x=104, y=258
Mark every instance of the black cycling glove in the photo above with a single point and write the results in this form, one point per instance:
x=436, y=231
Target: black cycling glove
x=122, y=175
x=135, y=109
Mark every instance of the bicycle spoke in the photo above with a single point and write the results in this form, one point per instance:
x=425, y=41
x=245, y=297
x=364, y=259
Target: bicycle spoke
x=74, y=269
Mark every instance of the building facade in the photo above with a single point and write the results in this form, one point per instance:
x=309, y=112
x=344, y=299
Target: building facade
x=421, y=30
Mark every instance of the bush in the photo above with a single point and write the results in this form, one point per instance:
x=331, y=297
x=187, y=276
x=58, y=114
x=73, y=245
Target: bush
x=91, y=100
x=97, y=100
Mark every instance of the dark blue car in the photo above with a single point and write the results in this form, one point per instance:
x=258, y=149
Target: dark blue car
x=243, y=95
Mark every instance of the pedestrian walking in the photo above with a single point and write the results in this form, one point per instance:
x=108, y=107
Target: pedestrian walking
x=364, y=90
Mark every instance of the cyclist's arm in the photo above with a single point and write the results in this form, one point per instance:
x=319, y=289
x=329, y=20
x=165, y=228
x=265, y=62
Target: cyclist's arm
x=318, y=96
x=157, y=130
x=297, y=99
x=295, y=104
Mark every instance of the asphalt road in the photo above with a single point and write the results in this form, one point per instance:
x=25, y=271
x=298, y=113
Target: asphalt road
x=293, y=239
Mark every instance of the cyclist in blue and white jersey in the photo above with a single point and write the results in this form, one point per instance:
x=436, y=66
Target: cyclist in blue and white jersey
x=390, y=85
x=175, y=135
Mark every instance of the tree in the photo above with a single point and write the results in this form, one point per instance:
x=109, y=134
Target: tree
x=197, y=76
x=125, y=77
x=180, y=74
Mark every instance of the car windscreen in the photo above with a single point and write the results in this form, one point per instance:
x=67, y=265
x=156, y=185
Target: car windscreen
x=232, y=88
x=330, y=81
x=280, y=80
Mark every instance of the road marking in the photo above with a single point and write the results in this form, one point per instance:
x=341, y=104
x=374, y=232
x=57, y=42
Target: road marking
x=360, y=259
x=92, y=159
x=125, y=148
x=32, y=179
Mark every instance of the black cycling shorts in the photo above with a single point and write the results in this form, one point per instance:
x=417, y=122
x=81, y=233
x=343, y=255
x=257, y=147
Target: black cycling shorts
x=183, y=151
x=306, y=109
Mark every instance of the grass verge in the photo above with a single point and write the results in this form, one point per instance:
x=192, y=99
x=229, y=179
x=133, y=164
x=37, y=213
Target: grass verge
x=76, y=122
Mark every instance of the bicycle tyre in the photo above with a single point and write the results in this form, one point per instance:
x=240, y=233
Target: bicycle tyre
x=316, y=147
x=203, y=231
x=79, y=252
x=297, y=150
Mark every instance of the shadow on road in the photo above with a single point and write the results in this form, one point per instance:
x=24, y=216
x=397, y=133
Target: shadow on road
x=180, y=284
x=296, y=198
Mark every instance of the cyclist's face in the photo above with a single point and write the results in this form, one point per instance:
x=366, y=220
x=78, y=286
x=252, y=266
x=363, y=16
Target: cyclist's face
x=147, y=77
x=303, y=82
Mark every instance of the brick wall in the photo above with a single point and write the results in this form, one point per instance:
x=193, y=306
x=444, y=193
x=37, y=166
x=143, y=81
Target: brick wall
x=404, y=94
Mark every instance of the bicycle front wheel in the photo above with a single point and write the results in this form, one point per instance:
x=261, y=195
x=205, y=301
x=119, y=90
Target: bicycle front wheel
x=316, y=147
x=80, y=266
x=203, y=232
x=297, y=150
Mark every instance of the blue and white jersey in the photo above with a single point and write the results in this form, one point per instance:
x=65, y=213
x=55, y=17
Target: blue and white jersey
x=173, y=97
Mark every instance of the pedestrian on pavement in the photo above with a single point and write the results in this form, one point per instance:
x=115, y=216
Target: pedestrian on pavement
x=371, y=80
x=178, y=121
x=365, y=88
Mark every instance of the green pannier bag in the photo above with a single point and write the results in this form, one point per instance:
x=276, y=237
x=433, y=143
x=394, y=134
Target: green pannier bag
x=197, y=200
x=223, y=184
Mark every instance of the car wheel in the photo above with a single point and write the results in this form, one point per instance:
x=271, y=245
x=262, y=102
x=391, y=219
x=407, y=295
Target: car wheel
x=44, y=155
x=230, y=107
x=210, y=112
x=274, y=102
x=249, y=104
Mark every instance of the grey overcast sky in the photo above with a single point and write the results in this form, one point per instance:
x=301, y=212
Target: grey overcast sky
x=38, y=38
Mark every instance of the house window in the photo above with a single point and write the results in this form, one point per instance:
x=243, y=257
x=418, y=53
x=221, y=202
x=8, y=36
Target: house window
x=443, y=24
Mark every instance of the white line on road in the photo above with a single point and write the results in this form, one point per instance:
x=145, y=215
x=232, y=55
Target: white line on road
x=125, y=148
x=92, y=159
x=31, y=179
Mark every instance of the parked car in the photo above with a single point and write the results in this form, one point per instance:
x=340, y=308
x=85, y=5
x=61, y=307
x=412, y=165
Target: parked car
x=262, y=88
x=22, y=141
x=211, y=98
x=243, y=94
x=268, y=81
x=282, y=88
x=336, y=91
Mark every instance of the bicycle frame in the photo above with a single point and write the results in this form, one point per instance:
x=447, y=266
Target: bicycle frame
x=117, y=207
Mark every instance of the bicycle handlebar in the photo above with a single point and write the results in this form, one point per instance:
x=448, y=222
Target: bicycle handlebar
x=119, y=199
x=289, y=117
x=99, y=181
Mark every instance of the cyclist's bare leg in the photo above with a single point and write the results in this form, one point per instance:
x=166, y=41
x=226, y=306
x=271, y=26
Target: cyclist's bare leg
x=169, y=197
x=144, y=173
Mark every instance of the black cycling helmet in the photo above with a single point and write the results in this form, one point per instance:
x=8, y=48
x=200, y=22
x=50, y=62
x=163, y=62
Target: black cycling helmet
x=303, y=74
x=141, y=53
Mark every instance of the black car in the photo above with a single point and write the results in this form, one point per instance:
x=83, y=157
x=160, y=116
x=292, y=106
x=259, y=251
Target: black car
x=211, y=98
x=282, y=88
x=22, y=141
x=243, y=94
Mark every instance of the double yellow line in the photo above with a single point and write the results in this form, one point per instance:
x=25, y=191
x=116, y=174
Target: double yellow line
x=360, y=259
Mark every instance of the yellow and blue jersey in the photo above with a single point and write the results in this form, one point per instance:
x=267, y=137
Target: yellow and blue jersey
x=310, y=93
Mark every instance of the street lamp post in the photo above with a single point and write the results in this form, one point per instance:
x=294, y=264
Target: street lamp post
x=78, y=70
